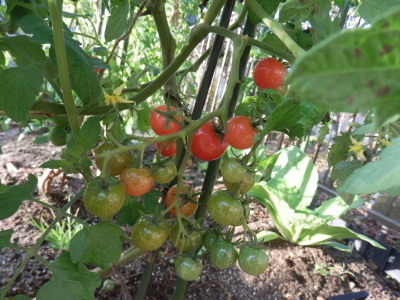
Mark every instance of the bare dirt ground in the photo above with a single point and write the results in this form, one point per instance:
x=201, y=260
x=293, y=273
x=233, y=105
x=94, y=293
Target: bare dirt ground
x=291, y=275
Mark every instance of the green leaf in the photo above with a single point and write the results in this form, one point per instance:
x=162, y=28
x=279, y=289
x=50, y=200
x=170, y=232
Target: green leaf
x=89, y=134
x=267, y=236
x=256, y=106
x=337, y=246
x=296, y=119
x=36, y=26
x=268, y=5
x=143, y=116
x=298, y=10
x=5, y=237
x=42, y=139
x=69, y=281
x=363, y=130
x=371, y=9
x=266, y=166
x=362, y=67
x=322, y=132
x=21, y=297
x=12, y=196
x=294, y=169
x=117, y=22
x=321, y=21
x=377, y=176
x=339, y=151
x=336, y=207
x=130, y=212
x=56, y=164
x=18, y=88
x=344, y=169
x=151, y=201
x=100, y=244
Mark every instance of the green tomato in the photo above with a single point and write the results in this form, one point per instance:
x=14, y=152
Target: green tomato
x=185, y=244
x=58, y=136
x=117, y=162
x=148, y=235
x=104, y=202
x=232, y=170
x=223, y=255
x=252, y=260
x=224, y=209
x=188, y=268
x=165, y=173
x=61, y=121
x=246, y=215
x=209, y=238
x=245, y=186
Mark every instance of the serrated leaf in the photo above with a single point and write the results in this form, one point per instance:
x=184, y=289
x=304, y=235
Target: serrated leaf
x=344, y=169
x=100, y=244
x=268, y=5
x=143, y=117
x=118, y=21
x=24, y=49
x=339, y=151
x=371, y=9
x=5, y=237
x=12, y=196
x=130, y=212
x=36, y=26
x=89, y=134
x=322, y=132
x=18, y=89
x=377, y=176
x=321, y=21
x=151, y=201
x=297, y=10
x=365, y=64
x=69, y=281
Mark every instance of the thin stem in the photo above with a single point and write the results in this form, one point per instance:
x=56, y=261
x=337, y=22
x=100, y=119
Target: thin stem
x=213, y=11
x=276, y=28
x=343, y=13
x=180, y=289
x=146, y=276
x=55, y=8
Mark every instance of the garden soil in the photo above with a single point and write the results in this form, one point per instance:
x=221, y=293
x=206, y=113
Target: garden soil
x=294, y=273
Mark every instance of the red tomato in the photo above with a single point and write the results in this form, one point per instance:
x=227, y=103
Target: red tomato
x=158, y=122
x=169, y=148
x=240, y=133
x=137, y=182
x=269, y=73
x=206, y=144
x=187, y=208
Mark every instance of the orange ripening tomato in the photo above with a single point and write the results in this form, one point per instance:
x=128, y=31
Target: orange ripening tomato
x=269, y=73
x=240, y=133
x=158, y=122
x=169, y=148
x=137, y=181
x=187, y=208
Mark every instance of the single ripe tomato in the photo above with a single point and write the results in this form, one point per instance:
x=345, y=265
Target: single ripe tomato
x=240, y=133
x=224, y=209
x=117, y=162
x=252, y=260
x=165, y=173
x=232, y=170
x=149, y=235
x=223, y=255
x=188, y=268
x=269, y=73
x=187, y=243
x=187, y=208
x=104, y=201
x=206, y=144
x=158, y=122
x=137, y=181
x=169, y=148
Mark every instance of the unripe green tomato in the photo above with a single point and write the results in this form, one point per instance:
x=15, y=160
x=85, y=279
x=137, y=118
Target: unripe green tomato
x=209, y=238
x=245, y=185
x=148, y=235
x=188, y=268
x=117, y=162
x=252, y=260
x=232, y=170
x=166, y=173
x=104, y=202
x=246, y=215
x=185, y=244
x=224, y=209
x=61, y=121
x=58, y=136
x=108, y=285
x=223, y=255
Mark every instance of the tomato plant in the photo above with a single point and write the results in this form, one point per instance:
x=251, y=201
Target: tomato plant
x=240, y=133
x=188, y=268
x=137, y=181
x=187, y=203
x=224, y=209
x=206, y=144
x=117, y=162
x=165, y=173
x=169, y=148
x=269, y=73
x=104, y=201
x=161, y=124
x=252, y=260
x=148, y=234
x=223, y=254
